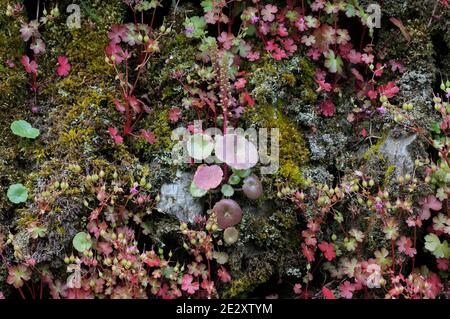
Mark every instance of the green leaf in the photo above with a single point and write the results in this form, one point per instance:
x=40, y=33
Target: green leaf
x=292, y=16
x=17, y=193
x=434, y=245
x=200, y=146
x=24, y=129
x=82, y=242
x=242, y=173
x=234, y=179
x=195, y=191
x=227, y=190
x=435, y=127
x=198, y=24
x=207, y=5
x=333, y=63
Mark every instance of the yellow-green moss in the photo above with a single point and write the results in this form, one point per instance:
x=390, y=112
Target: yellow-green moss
x=248, y=282
x=292, y=147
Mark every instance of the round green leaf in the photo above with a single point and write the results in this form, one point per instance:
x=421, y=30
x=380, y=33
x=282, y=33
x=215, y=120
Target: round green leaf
x=82, y=242
x=195, y=191
x=234, y=179
x=227, y=190
x=24, y=129
x=17, y=193
x=242, y=173
x=200, y=146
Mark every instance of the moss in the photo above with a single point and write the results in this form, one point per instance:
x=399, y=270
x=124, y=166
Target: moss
x=239, y=287
x=292, y=147
x=374, y=150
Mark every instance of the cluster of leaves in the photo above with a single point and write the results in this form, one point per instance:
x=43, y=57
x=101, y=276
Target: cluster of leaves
x=391, y=271
x=281, y=31
x=107, y=259
x=130, y=49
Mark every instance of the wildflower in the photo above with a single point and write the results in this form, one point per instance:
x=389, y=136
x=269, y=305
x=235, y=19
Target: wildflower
x=189, y=29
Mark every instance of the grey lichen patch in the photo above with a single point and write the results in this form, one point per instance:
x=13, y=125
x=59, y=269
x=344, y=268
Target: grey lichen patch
x=396, y=151
x=176, y=200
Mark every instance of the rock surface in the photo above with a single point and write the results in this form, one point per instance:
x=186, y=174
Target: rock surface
x=396, y=151
x=176, y=200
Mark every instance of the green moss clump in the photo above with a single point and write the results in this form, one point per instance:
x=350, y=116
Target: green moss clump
x=292, y=147
x=259, y=274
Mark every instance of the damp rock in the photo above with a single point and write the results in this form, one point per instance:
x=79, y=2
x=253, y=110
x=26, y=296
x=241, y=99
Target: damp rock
x=176, y=200
x=396, y=151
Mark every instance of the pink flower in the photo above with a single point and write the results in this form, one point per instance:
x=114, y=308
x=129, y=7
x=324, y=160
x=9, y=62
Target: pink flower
x=64, y=66
x=189, y=286
x=30, y=67
x=240, y=83
x=208, y=177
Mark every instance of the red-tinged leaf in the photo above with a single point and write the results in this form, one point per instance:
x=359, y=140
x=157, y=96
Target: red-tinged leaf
x=327, y=108
x=363, y=132
x=112, y=131
x=118, y=139
x=372, y=94
x=430, y=202
x=114, y=134
x=328, y=294
x=346, y=290
x=248, y=99
x=308, y=253
x=223, y=274
x=357, y=75
x=148, y=136
x=30, y=67
x=399, y=24
x=323, y=86
x=174, y=114
x=119, y=106
x=389, y=90
x=397, y=66
x=64, y=66
x=17, y=275
x=327, y=250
